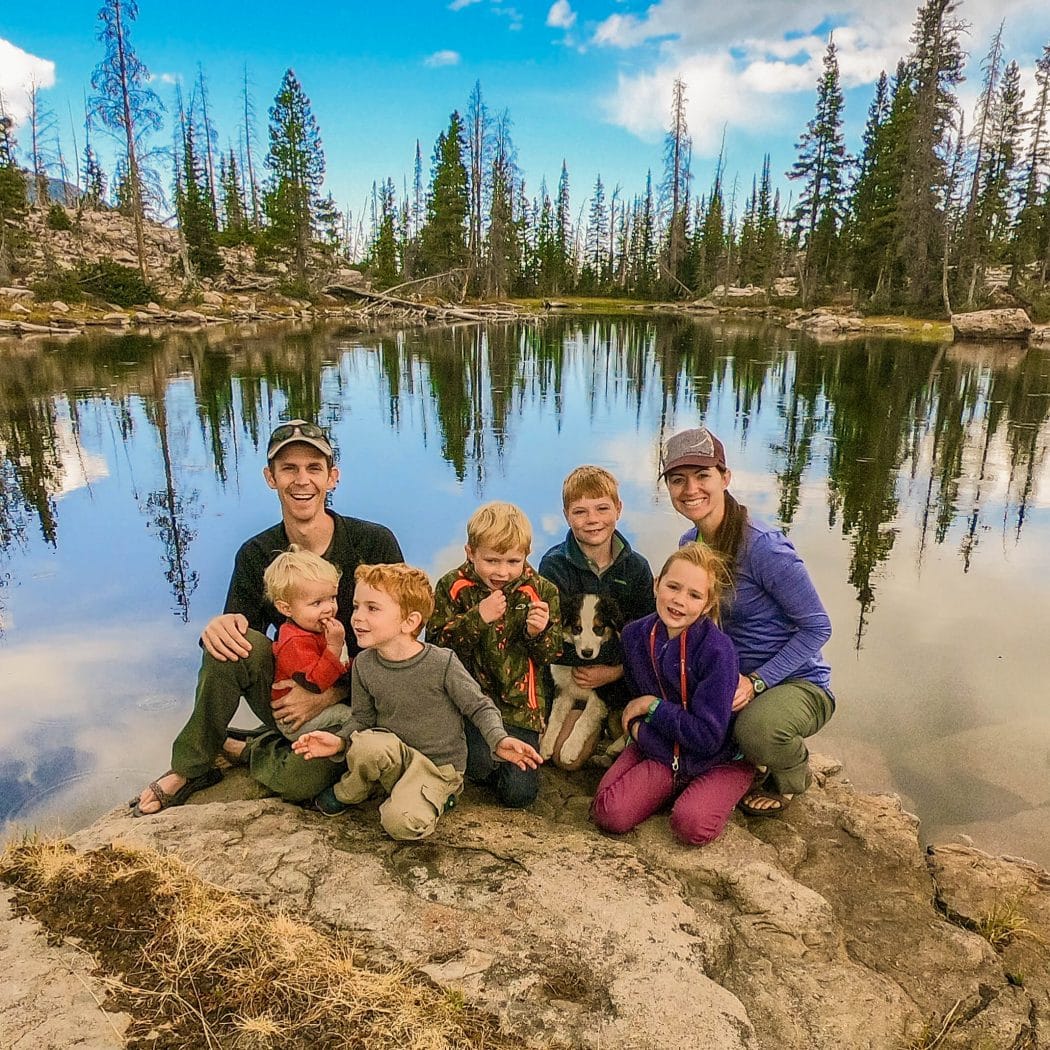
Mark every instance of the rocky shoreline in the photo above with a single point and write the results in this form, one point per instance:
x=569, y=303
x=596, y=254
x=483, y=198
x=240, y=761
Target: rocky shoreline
x=830, y=928
x=244, y=294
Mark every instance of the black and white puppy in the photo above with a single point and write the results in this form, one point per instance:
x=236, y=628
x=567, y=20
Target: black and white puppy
x=588, y=622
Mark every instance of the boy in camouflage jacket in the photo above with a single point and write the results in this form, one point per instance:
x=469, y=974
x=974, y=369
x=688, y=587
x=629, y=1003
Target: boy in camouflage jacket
x=501, y=619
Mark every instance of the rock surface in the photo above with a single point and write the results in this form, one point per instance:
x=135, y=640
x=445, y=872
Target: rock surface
x=825, y=929
x=992, y=324
x=48, y=997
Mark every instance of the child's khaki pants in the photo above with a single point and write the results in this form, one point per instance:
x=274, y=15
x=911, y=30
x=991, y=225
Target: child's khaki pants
x=419, y=792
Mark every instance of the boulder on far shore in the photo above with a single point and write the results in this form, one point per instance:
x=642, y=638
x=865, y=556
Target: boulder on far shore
x=992, y=324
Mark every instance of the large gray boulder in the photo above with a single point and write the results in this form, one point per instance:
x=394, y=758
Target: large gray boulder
x=992, y=324
x=829, y=929
x=824, y=929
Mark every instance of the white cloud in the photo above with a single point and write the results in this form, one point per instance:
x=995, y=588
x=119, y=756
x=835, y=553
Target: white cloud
x=561, y=15
x=19, y=69
x=738, y=60
x=458, y=5
x=442, y=58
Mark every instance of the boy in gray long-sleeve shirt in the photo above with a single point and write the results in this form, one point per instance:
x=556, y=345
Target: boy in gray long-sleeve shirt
x=408, y=700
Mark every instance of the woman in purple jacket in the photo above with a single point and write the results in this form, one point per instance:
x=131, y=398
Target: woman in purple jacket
x=682, y=672
x=773, y=615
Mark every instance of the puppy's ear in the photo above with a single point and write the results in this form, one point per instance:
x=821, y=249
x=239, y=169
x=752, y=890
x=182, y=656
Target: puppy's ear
x=612, y=613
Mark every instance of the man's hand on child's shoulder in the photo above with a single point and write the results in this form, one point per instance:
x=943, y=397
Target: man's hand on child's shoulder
x=511, y=749
x=539, y=615
x=318, y=744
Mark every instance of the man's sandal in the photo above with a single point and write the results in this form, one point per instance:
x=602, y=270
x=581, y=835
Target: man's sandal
x=236, y=733
x=166, y=800
x=779, y=803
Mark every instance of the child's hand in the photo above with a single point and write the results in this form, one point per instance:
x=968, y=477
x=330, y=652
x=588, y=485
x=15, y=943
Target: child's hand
x=490, y=609
x=334, y=635
x=594, y=676
x=511, y=749
x=637, y=708
x=318, y=744
x=538, y=617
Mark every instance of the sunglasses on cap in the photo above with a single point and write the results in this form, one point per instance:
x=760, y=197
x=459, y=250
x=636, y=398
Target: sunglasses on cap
x=289, y=430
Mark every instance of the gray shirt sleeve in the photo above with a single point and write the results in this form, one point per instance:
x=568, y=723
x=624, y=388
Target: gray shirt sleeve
x=466, y=694
x=362, y=706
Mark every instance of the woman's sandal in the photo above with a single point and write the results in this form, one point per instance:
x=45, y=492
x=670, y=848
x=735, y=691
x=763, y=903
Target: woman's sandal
x=780, y=803
x=177, y=798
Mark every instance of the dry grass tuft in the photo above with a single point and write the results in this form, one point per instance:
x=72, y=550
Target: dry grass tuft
x=212, y=969
x=1004, y=923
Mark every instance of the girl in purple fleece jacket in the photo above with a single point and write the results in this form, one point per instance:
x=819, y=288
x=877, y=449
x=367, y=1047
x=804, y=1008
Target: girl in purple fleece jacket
x=682, y=672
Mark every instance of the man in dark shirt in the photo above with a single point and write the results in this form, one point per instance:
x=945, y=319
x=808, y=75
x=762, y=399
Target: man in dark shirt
x=238, y=660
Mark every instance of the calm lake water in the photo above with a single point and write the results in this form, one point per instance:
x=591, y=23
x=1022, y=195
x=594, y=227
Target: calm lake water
x=913, y=477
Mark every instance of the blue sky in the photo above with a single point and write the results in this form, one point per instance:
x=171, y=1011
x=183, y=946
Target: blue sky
x=585, y=81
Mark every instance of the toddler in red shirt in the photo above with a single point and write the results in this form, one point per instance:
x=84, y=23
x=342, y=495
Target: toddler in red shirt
x=311, y=645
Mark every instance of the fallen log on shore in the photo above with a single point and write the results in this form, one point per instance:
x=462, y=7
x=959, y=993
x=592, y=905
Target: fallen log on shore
x=382, y=302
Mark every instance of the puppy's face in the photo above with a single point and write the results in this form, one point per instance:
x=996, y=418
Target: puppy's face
x=588, y=622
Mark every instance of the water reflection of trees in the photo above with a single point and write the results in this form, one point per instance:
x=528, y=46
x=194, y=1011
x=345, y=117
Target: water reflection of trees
x=874, y=416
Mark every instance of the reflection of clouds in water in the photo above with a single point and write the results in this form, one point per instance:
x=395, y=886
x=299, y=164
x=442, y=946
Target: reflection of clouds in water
x=551, y=526
x=24, y=779
x=112, y=735
x=79, y=467
x=446, y=558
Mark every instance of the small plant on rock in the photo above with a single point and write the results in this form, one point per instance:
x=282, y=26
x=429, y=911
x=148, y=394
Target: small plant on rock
x=1004, y=923
x=58, y=218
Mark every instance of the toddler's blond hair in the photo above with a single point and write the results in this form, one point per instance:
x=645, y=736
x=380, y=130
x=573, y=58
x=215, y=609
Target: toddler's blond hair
x=290, y=568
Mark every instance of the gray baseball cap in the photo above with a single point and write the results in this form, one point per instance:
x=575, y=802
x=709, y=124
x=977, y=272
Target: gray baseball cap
x=692, y=448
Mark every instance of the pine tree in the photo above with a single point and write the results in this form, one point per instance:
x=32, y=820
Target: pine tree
x=207, y=133
x=674, y=191
x=874, y=265
x=193, y=205
x=236, y=226
x=126, y=105
x=443, y=238
x=767, y=223
x=821, y=167
x=248, y=143
x=973, y=236
x=13, y=202
x=93, y=186
x=710, y=237
x=564, y=262
x=504, y=251
x=42, y=143
x=478, y=135
x=936, y=66
x=593, y=274
x=999, y=175
x=297, y=166
x=1033, y=220
x=383, y=265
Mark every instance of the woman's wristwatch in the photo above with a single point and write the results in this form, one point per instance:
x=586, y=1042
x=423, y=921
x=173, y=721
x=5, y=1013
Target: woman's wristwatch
x=757, y=683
